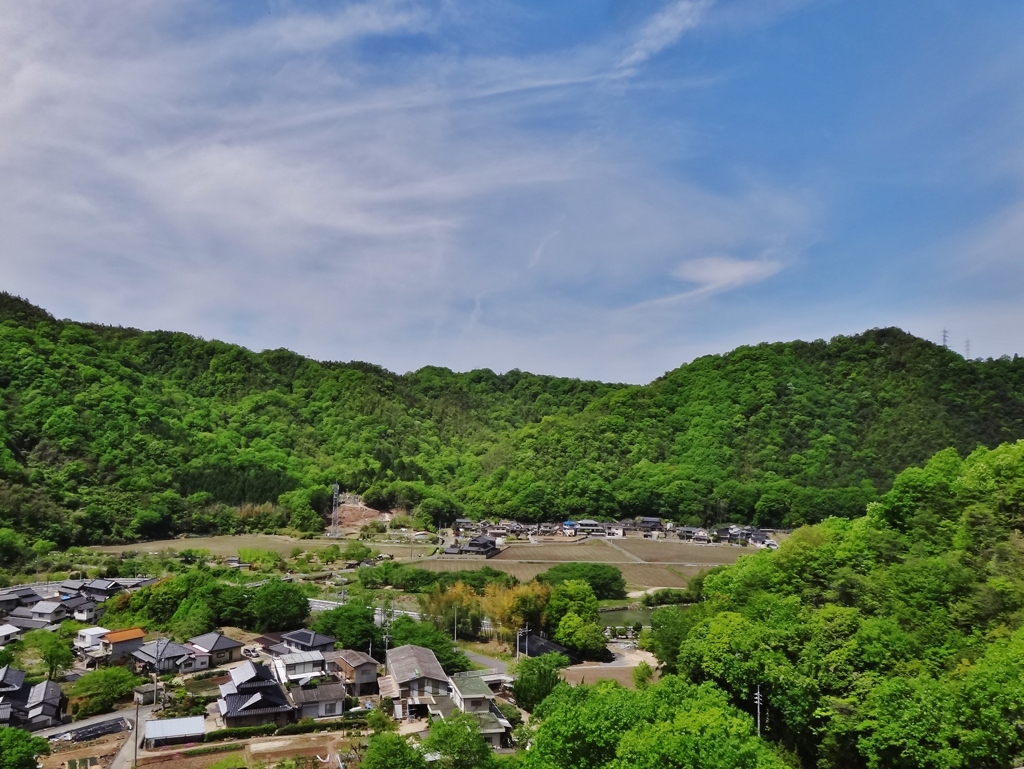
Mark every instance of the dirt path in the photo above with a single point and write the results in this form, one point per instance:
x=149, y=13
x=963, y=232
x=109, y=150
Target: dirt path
x=624, y=551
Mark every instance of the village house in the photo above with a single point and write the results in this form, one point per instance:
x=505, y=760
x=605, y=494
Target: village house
x=325, y=700
x=357, y=669
x=26, y=706
x=50, y=612
x=221, y=649
x=90, y=639
x=118, y=644
x=164, y=656
x=306, y=640
x=413, y=676
x=299, y=666
x=252, y=697
x=9, y=634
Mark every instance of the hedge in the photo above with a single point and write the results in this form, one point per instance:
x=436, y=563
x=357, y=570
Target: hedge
x=212, y=749
x=240, y=732
x=322, y=726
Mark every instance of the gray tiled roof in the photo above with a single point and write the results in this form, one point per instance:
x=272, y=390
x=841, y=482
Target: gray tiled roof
x=407, y=663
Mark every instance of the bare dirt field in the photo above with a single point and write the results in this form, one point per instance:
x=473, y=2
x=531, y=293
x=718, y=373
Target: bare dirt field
x=223, y=545
x=590, y=550
x=667, y=551
x=656, y=575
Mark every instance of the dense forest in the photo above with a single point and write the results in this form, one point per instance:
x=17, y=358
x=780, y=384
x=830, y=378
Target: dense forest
x=890, y=641
x=112, y=434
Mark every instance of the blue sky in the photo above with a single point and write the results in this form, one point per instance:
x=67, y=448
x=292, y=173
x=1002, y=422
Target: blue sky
x=593, y=189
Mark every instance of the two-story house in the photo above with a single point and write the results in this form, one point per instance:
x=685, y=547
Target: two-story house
x=413, y=676
x=50, y=612
x=299, y=666
x=118, y=644
x=252, y=697
x=357, y=669
x=306, y=640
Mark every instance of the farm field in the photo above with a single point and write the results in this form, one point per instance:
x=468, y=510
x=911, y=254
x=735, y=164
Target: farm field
x=230, y=544
x=659, y=551
x=590, y=550
x=524, y=572
x=645, y=575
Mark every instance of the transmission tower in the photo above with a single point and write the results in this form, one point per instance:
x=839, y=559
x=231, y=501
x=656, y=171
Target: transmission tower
x=967, y=346
x=334, y=512
x=945, y=338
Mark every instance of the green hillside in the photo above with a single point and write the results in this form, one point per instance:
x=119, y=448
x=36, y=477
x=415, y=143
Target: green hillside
x=111, y=434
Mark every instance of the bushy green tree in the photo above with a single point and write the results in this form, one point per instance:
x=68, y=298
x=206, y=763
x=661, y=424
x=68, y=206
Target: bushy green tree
x=19, y=749
x=458, y=742
x=391, y=751
x=536, y=678
x=279, y=605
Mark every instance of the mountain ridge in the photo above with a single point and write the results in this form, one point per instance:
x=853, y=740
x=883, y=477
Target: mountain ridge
x=112, y=434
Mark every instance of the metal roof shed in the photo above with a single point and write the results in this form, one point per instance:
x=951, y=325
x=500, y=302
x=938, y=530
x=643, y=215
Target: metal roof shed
x=172, y=731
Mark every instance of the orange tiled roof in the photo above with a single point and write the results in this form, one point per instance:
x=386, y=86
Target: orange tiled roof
x=115, y=636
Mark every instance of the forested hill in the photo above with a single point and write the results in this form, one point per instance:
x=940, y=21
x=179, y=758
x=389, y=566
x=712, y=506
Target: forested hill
x=113, y=434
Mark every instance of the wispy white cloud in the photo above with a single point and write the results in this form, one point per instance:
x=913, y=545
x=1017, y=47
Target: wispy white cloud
x=664, y=29
x=266, y=183
x=720, y=273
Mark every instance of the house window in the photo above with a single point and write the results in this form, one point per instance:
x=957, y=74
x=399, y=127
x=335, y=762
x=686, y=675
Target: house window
x=330, y=708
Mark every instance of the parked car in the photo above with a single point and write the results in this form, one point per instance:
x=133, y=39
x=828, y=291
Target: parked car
x=251, y=653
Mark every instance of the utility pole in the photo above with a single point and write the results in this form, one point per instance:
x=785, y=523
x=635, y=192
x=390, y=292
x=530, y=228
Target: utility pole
x=135, y=734
x=455, y=630
x=757, y=699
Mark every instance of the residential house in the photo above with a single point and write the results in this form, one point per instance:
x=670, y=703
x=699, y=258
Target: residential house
x=306, y=640
x=481, y=545
x=9, y=634
x=319, y=701
x=569, y=529
x=90, y=639
x=50, y=612
x=118, y=644
x=300, y=666
x=29, y=707
x=221, y=649
x=590, y=527
x=81, y=609
x=650, y=524
x=471, y=694
x=101, y=589
x=164, y=656
x=22, y=618
x=18, y=596
x=413, y=676
x=357, y=669
x=252, y=697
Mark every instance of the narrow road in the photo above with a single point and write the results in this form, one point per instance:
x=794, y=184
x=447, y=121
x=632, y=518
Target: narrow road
x=488, y=662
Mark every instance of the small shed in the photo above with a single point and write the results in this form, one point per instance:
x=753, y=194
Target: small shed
x=146, y=694
x=174, y=731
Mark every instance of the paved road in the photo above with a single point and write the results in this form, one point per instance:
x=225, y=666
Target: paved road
x=489, y=662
